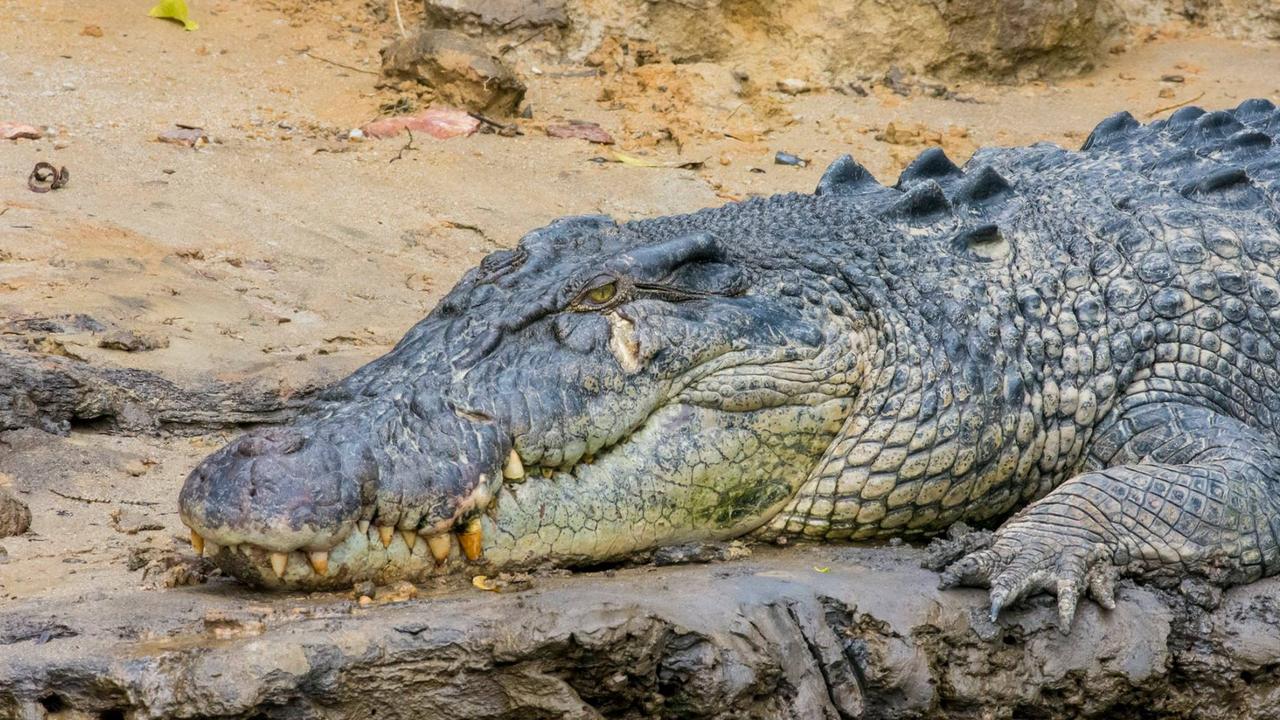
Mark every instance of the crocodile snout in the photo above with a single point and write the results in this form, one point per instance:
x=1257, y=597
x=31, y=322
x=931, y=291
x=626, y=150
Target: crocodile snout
x=332, y=500
x=277, y=490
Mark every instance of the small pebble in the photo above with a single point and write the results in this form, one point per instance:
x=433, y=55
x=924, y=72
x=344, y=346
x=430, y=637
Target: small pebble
x=786, y=158
x=793, y=86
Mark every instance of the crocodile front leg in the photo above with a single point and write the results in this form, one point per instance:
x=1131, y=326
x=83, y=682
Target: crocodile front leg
x=1178, y=491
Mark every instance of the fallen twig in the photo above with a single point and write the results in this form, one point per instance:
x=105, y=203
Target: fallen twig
x=504, y=130
x=535, y=34
x=1174, y=106
x=341, y=65
x=407, y=146
x=399, y=21
x=97, y=501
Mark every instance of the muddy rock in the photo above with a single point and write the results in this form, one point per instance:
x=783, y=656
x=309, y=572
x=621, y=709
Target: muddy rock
x=458, y=70
x=836, y=42
x=15, y=517
x=132, y=341
x=790, y=633
x=51, y=393
x=495, y=15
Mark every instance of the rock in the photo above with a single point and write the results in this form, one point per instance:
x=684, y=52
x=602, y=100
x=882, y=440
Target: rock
x=589, y=131
x=184, y=135
x=458, y=69
x=793, y=86
x=500, y=15
x=49, y=391
x=132, y=341
x=766, y=637
x=15, y=517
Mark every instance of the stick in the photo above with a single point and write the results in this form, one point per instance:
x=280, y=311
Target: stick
x=407, y=146
x=1174, y=106
x=399, y=21
x=341, y=65
x=93, y=501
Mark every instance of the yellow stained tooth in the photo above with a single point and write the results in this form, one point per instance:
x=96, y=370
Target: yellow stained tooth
x=197, y=542
x=386, y=532
x=514, y=469
x=547, y=472
x=319, y=561
x=246, y=549
x=278, y=562
x=440, y=545
x=410, y=537
x=470, y=539
x=364, y=527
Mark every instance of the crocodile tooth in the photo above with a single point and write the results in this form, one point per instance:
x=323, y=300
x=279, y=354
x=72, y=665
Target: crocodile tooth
x=386, y=532
x=547, y=472
x=410, y=538
x=211, y=549
x=470, y=539
x=197, y=542
x=246, y=549
x=514, y=469
x=319, y=561
x=440, y=545
x=364, y=527
x=278, y=562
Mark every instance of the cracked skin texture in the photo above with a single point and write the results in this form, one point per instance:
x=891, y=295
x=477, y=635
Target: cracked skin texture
x=1078, y=347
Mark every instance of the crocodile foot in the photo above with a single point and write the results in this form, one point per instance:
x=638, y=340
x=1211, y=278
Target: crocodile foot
x=1030, y=555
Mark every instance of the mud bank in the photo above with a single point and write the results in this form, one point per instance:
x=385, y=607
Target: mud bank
x=787, y=633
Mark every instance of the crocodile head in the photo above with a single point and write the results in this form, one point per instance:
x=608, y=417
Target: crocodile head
x=600, y=390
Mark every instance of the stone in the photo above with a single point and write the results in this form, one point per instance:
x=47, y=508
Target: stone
x=15, y=517
x=132, y=341
x=500, y=15
x=459, y=70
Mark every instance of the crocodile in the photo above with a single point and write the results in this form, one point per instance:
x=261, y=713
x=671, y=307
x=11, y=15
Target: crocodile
x=1075, y=349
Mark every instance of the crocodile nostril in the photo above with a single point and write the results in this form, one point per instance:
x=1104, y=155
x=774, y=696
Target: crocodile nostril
x=274, y=441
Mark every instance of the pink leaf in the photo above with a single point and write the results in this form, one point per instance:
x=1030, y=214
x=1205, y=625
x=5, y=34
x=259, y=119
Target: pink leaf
x=441, y=123
x=16, y=131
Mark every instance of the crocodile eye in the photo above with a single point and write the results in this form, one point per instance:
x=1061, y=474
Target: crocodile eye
x=599, y=294
x=602, y=294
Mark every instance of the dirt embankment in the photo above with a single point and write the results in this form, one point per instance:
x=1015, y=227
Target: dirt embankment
x=170, y=293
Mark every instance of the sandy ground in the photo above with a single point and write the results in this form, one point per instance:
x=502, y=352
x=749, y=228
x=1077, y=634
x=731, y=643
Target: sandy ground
x=281, y=250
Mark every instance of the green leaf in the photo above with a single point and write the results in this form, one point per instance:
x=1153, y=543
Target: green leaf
x=174, y=10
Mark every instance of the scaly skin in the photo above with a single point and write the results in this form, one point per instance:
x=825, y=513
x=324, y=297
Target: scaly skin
x=1089, y=336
